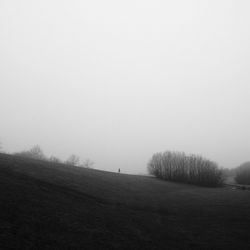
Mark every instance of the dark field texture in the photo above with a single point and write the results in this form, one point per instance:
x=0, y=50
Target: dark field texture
x=52, y=206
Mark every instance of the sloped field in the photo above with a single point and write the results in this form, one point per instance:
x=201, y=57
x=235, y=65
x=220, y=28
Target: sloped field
x=52, y=206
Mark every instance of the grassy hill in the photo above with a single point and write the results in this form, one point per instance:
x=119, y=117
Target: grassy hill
x=52, y=206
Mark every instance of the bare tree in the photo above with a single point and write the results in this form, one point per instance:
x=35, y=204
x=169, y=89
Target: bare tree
x=37, y=153
x=87, y=163
x=73, y=160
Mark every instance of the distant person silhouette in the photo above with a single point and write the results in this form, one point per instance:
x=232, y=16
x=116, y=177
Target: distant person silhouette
x=119, y=170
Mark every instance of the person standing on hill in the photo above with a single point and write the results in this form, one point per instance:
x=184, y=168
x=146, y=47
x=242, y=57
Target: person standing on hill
x=119, y=170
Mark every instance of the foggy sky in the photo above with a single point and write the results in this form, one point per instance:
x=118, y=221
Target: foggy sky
x=117, y=81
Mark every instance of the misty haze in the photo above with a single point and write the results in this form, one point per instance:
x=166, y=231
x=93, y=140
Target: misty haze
x=129, y=113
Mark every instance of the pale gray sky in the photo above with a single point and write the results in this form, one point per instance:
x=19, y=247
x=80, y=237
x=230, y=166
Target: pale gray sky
x=117, y=81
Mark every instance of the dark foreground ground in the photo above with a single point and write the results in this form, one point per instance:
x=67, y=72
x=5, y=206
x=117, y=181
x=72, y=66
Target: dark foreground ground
x=50, y=206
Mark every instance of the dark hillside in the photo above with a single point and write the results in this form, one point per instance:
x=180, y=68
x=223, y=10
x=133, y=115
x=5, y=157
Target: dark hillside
x=52, y=206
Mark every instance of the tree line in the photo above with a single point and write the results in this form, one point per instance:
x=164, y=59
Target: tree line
x=37, y=153
x=179, y=167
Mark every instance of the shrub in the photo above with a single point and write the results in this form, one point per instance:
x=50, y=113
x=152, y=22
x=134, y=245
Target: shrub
x=176, y=166
x=243, y=174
